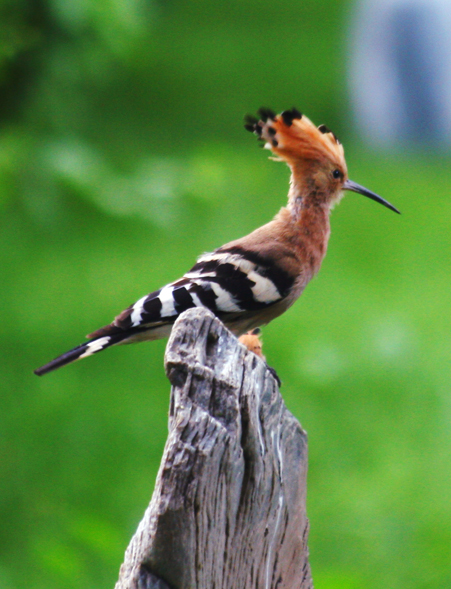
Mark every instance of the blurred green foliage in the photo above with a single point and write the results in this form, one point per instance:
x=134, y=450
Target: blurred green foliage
x=122, y=157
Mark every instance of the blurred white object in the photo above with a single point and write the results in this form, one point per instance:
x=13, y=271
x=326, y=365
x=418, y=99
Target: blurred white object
x=401, y=71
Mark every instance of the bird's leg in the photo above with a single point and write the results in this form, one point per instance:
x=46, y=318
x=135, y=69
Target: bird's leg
x=253, y=343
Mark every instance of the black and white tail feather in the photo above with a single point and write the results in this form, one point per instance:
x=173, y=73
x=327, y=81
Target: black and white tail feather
x=236, y=285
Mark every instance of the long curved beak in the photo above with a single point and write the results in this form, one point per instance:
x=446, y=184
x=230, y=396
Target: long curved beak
x=350, y=185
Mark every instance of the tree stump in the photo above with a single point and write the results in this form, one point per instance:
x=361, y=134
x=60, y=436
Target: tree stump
x=228, y=509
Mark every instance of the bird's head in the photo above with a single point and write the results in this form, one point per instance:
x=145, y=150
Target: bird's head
x=314, y=154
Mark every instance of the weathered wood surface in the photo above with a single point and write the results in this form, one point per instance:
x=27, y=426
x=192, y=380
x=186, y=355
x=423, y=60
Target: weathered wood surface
x=228, y=510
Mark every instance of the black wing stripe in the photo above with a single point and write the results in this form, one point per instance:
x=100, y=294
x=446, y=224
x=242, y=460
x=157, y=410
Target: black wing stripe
x=266, y=268
x=205, y=295
x=204, y=266
x=148, y=306
x=237, y=283
x=152, y=307
x=183, y=300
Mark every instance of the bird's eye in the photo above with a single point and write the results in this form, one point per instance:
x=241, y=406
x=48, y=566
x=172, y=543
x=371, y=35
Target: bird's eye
x=336, y=174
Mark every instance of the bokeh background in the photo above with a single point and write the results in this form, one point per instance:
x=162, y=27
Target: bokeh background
x=123, y=157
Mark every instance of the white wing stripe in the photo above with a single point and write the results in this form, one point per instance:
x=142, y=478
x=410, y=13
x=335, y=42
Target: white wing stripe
x=224, y=301
x=264, y=289
x=210, y=257
x=167, y=301
x=137, y=311
x=95, y=346
x=196, y=299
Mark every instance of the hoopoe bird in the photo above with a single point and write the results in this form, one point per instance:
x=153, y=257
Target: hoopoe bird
x=250, y=281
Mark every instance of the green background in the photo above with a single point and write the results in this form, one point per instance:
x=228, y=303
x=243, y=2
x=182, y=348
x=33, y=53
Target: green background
x=122, y=158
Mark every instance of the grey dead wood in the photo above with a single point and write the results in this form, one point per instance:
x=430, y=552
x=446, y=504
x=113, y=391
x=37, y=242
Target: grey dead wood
x=228, y=509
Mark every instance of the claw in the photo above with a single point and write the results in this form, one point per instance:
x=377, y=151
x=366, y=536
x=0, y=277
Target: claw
x=274, y=373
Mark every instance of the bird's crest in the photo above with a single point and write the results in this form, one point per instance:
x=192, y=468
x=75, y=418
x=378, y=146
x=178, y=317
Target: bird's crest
x=292, y=136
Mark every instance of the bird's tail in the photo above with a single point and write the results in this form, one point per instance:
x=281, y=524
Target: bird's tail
x=83, y=351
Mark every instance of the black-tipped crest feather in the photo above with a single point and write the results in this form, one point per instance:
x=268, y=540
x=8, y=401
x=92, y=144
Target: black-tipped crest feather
x=288, y=116
x=266, y=113
x=250, y=122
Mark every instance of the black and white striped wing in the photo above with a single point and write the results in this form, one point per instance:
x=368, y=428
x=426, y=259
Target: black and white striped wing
x=234, y=284
x=228, y=282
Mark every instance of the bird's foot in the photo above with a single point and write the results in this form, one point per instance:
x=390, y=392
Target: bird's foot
x=253, y=343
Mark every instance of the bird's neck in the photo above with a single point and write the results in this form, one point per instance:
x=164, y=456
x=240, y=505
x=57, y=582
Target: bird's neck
x=309, y=210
